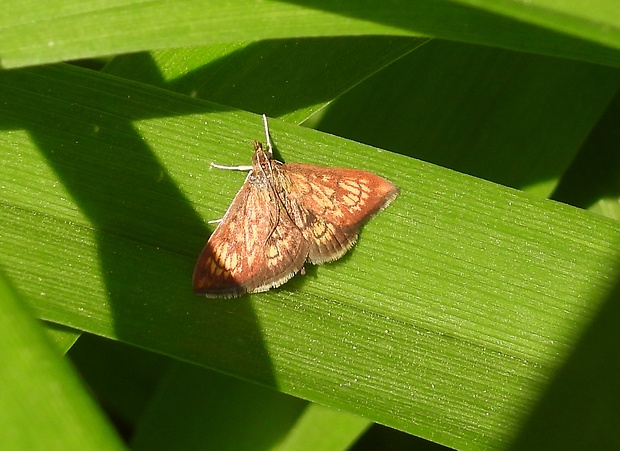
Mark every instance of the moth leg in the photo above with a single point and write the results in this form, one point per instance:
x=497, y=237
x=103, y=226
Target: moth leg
x=231, y=168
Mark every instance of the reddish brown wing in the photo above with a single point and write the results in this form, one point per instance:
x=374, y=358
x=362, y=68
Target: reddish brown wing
x=254, y=248
x=338, y=201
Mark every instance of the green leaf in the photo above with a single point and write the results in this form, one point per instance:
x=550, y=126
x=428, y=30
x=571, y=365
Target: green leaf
x=247, y=416
x=227, y=413
x=592, y=179
x=37, y=33
x=42, y=403
x=598, y=21
x=270, y=80
x=324, y=429
x=512, y=118
x=63, y=337
x=125, y=379
x=449, y=320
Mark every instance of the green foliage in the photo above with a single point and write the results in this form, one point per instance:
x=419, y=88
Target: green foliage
x=474, y=312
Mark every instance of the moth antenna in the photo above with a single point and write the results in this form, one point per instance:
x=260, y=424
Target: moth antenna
x=267, y=136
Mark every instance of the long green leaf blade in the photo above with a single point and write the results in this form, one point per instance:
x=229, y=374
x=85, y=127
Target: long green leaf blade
x=460, y=302
x=42, y=403
x=37, y=33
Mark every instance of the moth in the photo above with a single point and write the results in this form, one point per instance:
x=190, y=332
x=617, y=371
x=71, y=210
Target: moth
x=284, y=215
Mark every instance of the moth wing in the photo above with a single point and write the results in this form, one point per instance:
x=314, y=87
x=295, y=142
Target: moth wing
x=338, y=202
x=255, y=247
